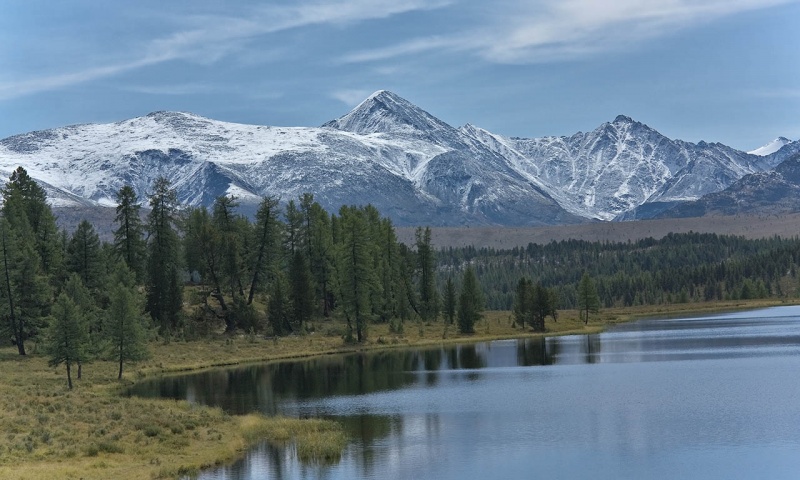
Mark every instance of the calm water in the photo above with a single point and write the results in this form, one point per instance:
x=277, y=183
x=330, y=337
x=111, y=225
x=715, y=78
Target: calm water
x=714, y=397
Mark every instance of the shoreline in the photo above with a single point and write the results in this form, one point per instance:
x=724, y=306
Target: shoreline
x=96, y=432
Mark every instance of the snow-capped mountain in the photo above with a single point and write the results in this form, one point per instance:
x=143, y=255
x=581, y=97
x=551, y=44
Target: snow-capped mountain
x=624, y=164
x=771, y=147
x=765, y=193
x=388, y=152
x=421, y=171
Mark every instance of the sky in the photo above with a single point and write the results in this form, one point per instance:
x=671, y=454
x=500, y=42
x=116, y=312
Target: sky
x=715, y=70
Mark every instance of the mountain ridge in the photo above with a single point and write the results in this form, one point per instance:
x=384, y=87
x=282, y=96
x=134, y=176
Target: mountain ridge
x=387, y=151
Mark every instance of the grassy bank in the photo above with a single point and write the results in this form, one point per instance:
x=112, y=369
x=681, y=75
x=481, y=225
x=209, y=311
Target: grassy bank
x=94, y=432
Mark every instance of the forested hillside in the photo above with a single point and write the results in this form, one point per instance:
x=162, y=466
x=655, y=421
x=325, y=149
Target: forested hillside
x=678, y=268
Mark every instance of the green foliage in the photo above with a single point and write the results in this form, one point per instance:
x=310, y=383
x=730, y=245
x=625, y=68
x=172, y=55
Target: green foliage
x=129, y=243
x=355, y=270
x=25, y=206
x=450, y=301
x=84, y=256
x=278, y=306
x=692, y=267
x=426, y=264
x=588, y=300
x=164, y=288
x=66, y=339
x=470, y=302
x=126, y=330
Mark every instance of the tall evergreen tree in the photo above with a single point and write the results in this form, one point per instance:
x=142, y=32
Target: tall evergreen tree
x=426, y=265
x=266, y=233
x=450, y=301
x=355, y=271
x=301, y=290
x=164, y=289
x=66, y=338
x=127, y=332
x=588, y=299
x=522, y=302
x=470, y=302
x=129, y=241
x=90, y=317
x=25, y=201
x=278, y=306
x=15, y=327
x=231, y=233
x=84, y=255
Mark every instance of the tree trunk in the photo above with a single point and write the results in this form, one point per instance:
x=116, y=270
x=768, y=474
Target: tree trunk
x=121, y=356
x=15, y=328
x=69, y=376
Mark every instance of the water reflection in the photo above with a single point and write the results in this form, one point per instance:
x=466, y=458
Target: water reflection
x=625, y=396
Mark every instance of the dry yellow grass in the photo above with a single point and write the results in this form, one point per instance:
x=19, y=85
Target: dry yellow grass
x=94, y=432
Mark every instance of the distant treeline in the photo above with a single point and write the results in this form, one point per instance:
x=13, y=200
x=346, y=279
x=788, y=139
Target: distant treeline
x=678, y=268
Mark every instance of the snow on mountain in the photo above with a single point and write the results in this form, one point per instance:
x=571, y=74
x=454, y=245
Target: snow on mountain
x=624, y=164
x=421, y=172
x=771, y=147
x=771, y=192
x=388, y=152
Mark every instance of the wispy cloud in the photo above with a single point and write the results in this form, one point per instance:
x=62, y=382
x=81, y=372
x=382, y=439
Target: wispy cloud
x=210, y=38
x=531, y=32
x=174, y=89
x=351, y=97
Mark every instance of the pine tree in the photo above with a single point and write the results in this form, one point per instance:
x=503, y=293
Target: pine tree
x=164, y=289
x=278, y=306
x=301, y=290
x=66, y=339
x=450, y=301
x=129, y=241
x=127, y=332
x=90, y=315
x=588, y=300
x=470, y=302
x=24, y=201
x=426, y=264
x=355, y=271
x=266, y=233
x=84, y=256
x=231, y=236
x=522, y=302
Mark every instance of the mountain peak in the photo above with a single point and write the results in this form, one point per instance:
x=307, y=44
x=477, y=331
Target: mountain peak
x=770, y=147
x=623, y=119
x=387, y=112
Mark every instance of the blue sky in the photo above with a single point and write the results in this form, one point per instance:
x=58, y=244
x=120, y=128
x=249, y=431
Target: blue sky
x=713, y=70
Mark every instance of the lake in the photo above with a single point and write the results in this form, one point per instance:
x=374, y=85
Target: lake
x=712, y=397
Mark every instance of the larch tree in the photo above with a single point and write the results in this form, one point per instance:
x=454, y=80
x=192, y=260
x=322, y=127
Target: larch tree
x=588, y=299
x=90, y=316
x=25, y=201
x=84, y=256
x=522, y=302
x=66, y=338
x=450, y=302
x=355, y=271
x=129, y=243
x=266, y=233
x=127, y=331
x=164, y=288
x=426, y=266
x=470, y=302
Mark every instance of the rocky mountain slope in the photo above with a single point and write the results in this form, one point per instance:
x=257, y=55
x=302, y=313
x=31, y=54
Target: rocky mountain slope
x=388, y=152
x=765, y=193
